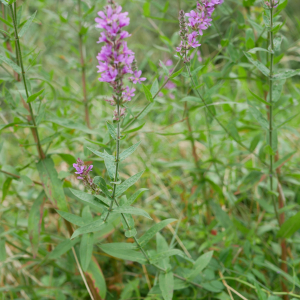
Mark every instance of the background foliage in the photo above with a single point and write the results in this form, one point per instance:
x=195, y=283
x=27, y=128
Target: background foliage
x=194, y=170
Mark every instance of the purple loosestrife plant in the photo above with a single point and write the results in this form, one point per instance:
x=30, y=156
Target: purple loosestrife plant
x=198, y=20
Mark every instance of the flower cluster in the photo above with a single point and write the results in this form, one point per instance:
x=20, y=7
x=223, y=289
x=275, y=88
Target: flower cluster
x=198, y=20
x=84, y=174
x=272, y=3
x=115, y=58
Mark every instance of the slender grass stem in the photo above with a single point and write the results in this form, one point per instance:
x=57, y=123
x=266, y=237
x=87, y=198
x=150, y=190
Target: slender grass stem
x=20, y=60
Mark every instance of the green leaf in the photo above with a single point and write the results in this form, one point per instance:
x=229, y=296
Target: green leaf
x=146, y=9
x=136, y=128
x=260, y=99
x=89, y=199
x=200, y=264
x=258, y=116
x=129, y=151
x=286, y=74
x=146, y=110
x=283, y=159
x=231, y=127
x=256, y=49
x=86, y=250
x=6, y=22
x=166, y=285
x=110, y=167
x=191, y=99
x=168, y=253
x=5, y=188
x=62, y=248
x=258, y=64
x=135, y=196
x=221, y=215
x=128, y=183
x=2, y=250
x=27, y=25
x=112, y=130
x=150, y=233
x=94, y=226
x=176, y=73
x=289, y=227
x=71, y=218
x=97, y=279
x=154, y=89
x=119, y=246
x=35, y=221
x=147, y=93
x=52, y=185
x=131, y=210
x=125, y=254
x=99, y=181
x=34, y=96
x=261, y=295
x=9, y=62
x=102, y=155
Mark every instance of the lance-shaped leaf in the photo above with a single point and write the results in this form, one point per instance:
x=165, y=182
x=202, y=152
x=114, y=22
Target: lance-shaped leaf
x=131, y=210
x=124, y=254
x=286, y=74
x=62, y=248
x=27, y=25
x=103, y=155
x=90, y=199
x=119, y=246
x=110, y=167
x=112, y=130
x=258, y=116
x=154, y=88
x=35, y=221
x=94, y=226
x=168, y=253
x=71, y=218
x=53, y=187
x=289, y=227
x=96, y=277
x=86, y=250
x=166, y=285
x=129, y=151
x=133, y=197
x=34, y=96
x=9, y=62
x=200, y=264
x=150, y=233
x=102, y=184
x=258, y=64
x=148, y=93
x=128, y=183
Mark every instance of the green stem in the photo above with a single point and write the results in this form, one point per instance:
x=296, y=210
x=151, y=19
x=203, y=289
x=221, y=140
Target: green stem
x=117, y=164
x=218, y=121
x=167, y=80
x=271, y=173
x=20, y=60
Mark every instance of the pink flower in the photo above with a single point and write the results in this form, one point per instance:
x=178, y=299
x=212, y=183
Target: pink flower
x=129, y=93
x=137, y=77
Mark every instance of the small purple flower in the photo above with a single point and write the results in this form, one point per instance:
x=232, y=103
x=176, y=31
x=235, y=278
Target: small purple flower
x=137, y=77
x=129, y=93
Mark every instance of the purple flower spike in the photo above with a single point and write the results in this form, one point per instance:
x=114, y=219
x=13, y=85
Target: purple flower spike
x=115, y=59
x=198, y=21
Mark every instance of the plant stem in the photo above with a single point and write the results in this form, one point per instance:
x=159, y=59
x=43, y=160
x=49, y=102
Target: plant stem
x=272, y=155
x=271, y=173
x=83, y=73
x=218, y=121
x=166, y=81
x=18, y=47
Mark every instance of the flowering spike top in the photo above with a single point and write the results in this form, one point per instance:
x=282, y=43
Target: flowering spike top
x=115, y=59
x=198, y=20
